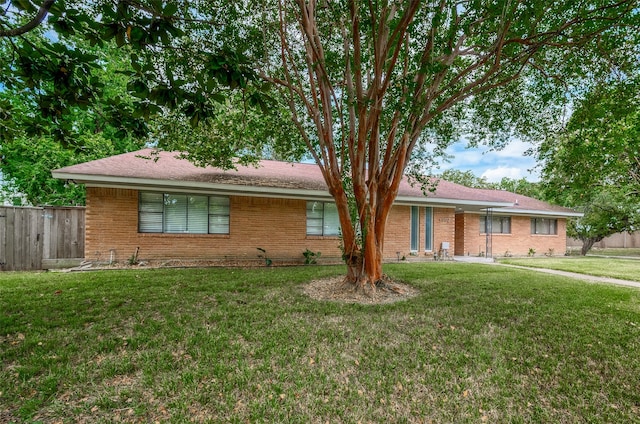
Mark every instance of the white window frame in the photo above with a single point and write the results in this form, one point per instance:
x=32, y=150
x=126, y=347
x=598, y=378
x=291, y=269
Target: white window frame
x=322, y=219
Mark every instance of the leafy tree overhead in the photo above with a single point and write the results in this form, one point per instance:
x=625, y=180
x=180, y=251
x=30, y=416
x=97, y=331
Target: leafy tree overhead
x=236, y=134
x=65, y=81
x=367, y=84
x=35, y=139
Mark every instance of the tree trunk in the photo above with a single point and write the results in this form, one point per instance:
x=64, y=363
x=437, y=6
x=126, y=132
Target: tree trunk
x=364, y=268
x=587, y=244
x=364, y=259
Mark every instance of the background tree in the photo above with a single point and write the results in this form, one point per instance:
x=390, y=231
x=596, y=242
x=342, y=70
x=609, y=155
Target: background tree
x=594, y=164
x=524, y=187
x=466, y=178
x=606, y=213
x=41, y=131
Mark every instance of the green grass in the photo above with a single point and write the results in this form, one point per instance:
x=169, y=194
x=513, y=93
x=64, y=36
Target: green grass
x=631, y=252
x=481, y=343
x=614, y=251
x=624, y=269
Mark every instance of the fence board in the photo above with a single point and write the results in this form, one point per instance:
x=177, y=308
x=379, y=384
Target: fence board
x=3, y=238
x=64, y=233
x=29, y=236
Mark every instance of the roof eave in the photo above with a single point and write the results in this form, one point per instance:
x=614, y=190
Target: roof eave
x=476, y=204
x=197, y=186
x=538, y=212
x=92, y=180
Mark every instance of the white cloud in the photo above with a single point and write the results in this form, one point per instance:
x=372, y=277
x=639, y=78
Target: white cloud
x=494, y=175
x=509, y=162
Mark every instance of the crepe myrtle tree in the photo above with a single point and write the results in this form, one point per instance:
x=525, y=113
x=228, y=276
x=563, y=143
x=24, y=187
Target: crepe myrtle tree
x=375, y=88
x=368, y=82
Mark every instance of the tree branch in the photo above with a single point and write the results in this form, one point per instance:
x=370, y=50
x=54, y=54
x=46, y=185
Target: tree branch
x=32, y=24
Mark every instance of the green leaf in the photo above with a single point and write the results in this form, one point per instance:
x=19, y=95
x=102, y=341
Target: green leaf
x=170, y=9
x=137, y=34
x=25, y=5
x=120, y=39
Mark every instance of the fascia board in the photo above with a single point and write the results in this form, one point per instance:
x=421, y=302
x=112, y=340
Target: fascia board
x=543, y=213
x=405, y=200
x=196, y=186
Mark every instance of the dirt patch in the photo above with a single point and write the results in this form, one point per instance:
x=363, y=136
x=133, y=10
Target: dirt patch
x=335, y=289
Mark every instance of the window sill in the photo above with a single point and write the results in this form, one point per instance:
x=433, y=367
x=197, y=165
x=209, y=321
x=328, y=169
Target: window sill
x=310, y=237
x=184, y=235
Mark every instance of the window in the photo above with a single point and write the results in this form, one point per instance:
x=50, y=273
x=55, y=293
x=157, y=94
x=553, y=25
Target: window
x=182, y=213
x=544, y=226
x=428, y=229
x=322, y=219
x=415, y=228
x=497, y=225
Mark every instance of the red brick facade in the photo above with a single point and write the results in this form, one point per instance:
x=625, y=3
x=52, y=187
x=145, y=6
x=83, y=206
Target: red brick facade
x=277, y=225
x=470, y=242
x=398, y=232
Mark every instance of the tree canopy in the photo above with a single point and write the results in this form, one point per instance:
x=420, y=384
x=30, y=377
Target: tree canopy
x=42, y=131
x=593, y=164
x=599, y=146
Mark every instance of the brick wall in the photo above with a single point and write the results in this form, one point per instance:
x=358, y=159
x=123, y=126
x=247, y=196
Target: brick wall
x=398, y=233
x=469, y=241
x=277, y=225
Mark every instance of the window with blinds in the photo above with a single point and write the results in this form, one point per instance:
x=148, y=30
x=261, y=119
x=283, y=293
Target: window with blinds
x=182, y=213
x=544, y=226
x=495, y=225
x=322, y=219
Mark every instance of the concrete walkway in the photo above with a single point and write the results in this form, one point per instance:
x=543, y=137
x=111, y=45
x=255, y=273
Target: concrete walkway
x=583, y=277
x=474, y=259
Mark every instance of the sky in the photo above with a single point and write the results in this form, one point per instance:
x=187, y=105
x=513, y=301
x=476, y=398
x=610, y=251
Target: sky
x=509, y=162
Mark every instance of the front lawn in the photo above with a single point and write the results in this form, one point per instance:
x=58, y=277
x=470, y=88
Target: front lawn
x=624, y=269
x=615, y=251
x=481, y=343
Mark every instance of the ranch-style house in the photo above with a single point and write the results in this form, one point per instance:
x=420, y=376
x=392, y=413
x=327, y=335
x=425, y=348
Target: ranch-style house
x=167, y=208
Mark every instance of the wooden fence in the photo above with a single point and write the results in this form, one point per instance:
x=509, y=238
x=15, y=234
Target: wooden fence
x=40, y=238
x=619, y=240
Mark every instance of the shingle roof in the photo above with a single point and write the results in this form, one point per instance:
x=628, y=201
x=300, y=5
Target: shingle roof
x=136, y=169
